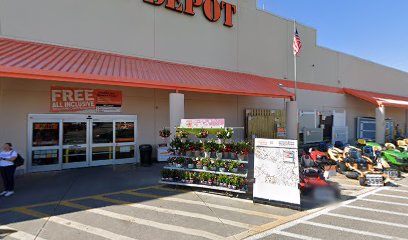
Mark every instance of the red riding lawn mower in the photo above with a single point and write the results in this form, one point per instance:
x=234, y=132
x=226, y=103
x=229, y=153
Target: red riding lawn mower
x=312, y=181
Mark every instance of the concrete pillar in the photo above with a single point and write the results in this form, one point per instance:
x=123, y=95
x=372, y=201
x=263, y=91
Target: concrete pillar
x=292, y=115
x=176, y=111
x=380, y=125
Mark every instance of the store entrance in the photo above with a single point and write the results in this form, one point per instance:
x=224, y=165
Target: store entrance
x=71, y=140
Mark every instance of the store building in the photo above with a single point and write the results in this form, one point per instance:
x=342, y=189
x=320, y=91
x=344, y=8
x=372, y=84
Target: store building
x=82, y=83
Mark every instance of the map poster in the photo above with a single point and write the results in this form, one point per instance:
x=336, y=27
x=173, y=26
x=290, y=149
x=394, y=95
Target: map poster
x=276, y=172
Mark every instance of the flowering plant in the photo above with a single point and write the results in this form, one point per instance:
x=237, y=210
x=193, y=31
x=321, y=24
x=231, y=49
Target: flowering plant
x=164, y=133
x=225, y=133
x=243, y=148
x=181, y=134
x=202, y=133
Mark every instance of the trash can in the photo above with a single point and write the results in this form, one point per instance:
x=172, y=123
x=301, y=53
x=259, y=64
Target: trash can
x=146, y=154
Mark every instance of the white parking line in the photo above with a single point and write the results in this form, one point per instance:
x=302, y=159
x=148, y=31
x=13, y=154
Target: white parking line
x=72, y=224
x=365, y=233
x=385, y=202
x=178, y=212
x=311, y=216
x=396, y=190
x=222, y=207
x=391, y=196
x=367, y=220
x=376, y=210
x=294, y=235
x=20, y=235
x=89, y=229
x=163, y=226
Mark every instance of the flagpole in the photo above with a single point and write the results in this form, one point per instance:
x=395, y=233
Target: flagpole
x=294, y=63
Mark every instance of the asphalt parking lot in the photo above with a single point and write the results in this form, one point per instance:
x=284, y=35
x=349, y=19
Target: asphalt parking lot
x=380, y=213
x=110, y=203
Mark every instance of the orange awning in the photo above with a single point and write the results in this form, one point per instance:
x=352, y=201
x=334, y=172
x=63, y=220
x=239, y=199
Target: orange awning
x=23, y=59
x=380, y=99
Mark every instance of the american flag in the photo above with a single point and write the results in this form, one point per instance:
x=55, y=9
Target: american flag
x=297, y=44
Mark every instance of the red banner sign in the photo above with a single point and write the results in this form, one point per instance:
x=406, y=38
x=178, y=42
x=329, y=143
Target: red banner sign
x=64, y=99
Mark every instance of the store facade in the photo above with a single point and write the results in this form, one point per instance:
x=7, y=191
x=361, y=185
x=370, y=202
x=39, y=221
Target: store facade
x=221, y=63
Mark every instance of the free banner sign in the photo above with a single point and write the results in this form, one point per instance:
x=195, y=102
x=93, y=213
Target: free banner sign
x=202, y=123
x=276, y=172
x=64, y=99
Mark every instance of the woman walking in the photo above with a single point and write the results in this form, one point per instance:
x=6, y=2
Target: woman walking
x=7, y=169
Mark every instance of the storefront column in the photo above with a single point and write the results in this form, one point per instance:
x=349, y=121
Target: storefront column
x=292, y=120
x=176, y=111
x=380, y=125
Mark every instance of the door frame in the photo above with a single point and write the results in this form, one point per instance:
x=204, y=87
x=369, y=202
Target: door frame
x=89, y=118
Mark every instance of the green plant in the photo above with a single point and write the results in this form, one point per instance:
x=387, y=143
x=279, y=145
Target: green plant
x=203, y=133
x=181, y=133
x=176, y=143
x=243, y=148
x=225, y=133
x=199, y=146
x=164, y=133
x=232, y=165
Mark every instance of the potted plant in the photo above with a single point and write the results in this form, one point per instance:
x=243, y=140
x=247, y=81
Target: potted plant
x=233, y=166
x=213, y=165
x=175, y=145
x=198, y=148
x=164, y=133
x=199, y=164
x=233, y=150
x=189, y=147
x=207, y=149
x=220, y=150
x=225, y=133
x=243, y=150
x=182, y=134
x=205, y=162
x=221, y=166
x=179, y=162
x=190, y=163
x=202, y=133
x=226, y=151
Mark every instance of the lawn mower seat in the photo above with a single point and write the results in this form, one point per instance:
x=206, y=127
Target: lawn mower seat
x=370, y=153
x=311, y=172
x=323, y=147
x=339, y=145
x=354, y=156
x=307, y=162
x=390, y=146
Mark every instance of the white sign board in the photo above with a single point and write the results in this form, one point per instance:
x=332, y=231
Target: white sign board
x=276, y=171
x=202, y=123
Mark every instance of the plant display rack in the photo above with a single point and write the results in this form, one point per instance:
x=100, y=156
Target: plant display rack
x=208, y=170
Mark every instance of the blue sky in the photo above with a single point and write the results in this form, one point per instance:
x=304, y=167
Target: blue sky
x=376, y=30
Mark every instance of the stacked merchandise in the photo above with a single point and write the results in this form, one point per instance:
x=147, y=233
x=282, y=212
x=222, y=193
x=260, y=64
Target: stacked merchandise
x=218, y=164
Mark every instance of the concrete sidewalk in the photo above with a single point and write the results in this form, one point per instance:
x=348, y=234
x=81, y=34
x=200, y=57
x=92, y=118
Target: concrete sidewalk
x=34, y=188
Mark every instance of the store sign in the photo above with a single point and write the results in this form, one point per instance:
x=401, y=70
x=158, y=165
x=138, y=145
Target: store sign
x=202, y=123
x=64, y=99
x=276, y=171
x=212, y=9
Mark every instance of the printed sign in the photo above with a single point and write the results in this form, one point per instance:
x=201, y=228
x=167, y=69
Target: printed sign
x=65, y=99
x=202, y=123
x=276, y=171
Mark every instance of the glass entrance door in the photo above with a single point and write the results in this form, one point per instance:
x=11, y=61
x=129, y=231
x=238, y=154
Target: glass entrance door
x=75, y=143
x=72, y=140
x=45, y=141
x=102, y=143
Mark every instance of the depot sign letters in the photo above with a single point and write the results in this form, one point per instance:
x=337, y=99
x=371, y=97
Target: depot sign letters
x=212, y=9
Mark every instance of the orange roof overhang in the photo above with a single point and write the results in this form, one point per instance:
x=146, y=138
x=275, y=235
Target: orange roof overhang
x=24, y=59
x=380, y=99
